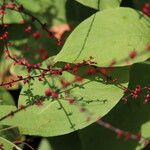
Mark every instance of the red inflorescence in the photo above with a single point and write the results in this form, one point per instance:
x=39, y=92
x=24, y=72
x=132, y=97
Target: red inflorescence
x=119, y=133
x=28, y=29
x=146, y=9
x=127, y=136
x=36, y=35
x=64, y=83
x=147, y=98
x=48, y=92
x=133, y=54
x=78, y=78
x=136, y=92
x=55, y=94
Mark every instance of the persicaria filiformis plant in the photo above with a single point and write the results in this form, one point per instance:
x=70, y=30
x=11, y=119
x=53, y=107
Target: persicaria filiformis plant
x=74, y=74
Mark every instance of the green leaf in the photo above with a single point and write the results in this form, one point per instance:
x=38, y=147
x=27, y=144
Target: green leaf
x=101, y=4
x=134, y=117
x=5, y=97
x=52, y=119
x=7, y=145
x=51, y=12
x=12, y=133
x=107, y=39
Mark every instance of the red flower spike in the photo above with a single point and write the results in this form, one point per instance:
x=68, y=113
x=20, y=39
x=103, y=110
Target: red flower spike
x=148, y=47
x=75, y=69
x=64, y=83
x=103, y=71
x=148, y=88
x=2, y=12
x=40, y=51
x=126, y=91
x=91, y=71
x=1, y=38
x=6, y=52
x=146, y=9
x=136, y=92
x=127, y=136
x=71, y=101
x=145, y=101
x=56, y=72
x=133, y=54
x=37, y=65
x=40, y=79
x=78, y=78
x=36, y=35
x=28, y=29
x=9, y=44
x=43, y=73
x=59, y=43
x=147, y=5
x=146, y=142
x=119, y=133
x=148, y=96
x=138, y=136
x=45, y=56
x=10, y=5
x=67, y=67
x=55, y=94
x=48, y=92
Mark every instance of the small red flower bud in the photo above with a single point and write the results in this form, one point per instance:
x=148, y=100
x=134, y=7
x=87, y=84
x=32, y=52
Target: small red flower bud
x=119, y=133
x=71, y=101
x=55, y=94
x=36, y=35
x=133, y=54
x=28, y=29
x=127, y=136
x=48, y=92
x=78, y=78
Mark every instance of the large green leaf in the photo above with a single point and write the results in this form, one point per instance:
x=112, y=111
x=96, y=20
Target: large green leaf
x=49, y=11
x=7, y=145
x=101, y=4
x=10, y=134
x=134, y=116
x=5, y=97
x=49, y=119
x=53, y=12
x=106, y=38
